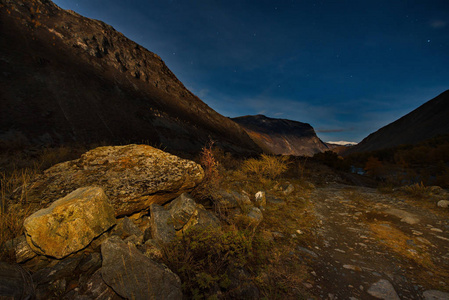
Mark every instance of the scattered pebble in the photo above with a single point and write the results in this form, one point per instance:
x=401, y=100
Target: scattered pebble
x=436, y=229
x=341, y=251
x=307, y=285
x=416, y=232
x=352, y=267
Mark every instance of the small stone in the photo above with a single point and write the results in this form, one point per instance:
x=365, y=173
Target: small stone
x=443, y=203
x=261, y=199
x=352, y=267
x=290, y=188
x=435, y=295
x=442, y=238
x=310, y=252
x=255, y=215
x=436, y=229
x=416, y=232
x=307, y=285
x=299, y=231
x=383, y=289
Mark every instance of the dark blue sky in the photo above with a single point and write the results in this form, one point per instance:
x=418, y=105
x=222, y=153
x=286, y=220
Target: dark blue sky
x=347, y=67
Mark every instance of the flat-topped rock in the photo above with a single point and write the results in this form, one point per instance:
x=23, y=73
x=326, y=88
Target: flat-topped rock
x=132, y=176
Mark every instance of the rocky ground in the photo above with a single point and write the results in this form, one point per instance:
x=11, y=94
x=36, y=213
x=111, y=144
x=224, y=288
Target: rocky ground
x=370, y=245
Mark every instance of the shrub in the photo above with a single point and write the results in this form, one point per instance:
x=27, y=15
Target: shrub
x=417, y=190
x=212, y=178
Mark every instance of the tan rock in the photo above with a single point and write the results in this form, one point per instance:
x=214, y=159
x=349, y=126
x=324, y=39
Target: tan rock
x=132, y=176
x=69, y=224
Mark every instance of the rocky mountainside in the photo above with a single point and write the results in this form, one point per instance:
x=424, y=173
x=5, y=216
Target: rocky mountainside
x=427, y=121
x=69, y=79
x=281, y=136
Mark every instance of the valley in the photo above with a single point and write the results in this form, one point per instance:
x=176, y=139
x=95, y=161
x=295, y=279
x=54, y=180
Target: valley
x=117, y=182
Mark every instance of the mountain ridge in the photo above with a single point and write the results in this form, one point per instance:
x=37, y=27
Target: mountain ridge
x=282, y=136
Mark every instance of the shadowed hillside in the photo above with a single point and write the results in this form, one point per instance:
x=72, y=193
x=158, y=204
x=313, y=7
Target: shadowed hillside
x=427, y=121
x=69, y=79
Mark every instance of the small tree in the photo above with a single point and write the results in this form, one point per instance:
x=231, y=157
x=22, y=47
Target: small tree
x=374, y=167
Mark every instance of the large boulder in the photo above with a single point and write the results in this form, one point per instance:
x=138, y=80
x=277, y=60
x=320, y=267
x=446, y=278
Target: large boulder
x=69, y=224
x=132, y=275
x=132, y=176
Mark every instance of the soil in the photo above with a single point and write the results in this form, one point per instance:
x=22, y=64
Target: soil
x=364, y=236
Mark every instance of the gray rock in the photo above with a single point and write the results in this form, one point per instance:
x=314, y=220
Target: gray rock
x=162, y=228
x=443, y=203
x=15, y=282
x=226, y=200
x=383, y=289
x=95, y=289
x=21, y=249
x=126, y=228
x=305, y=250
x=255, y=215
x=152, y=249
x=181, y=209
x=132, y=275
x=202, y=218
x=64, y=268
x=405, y=216
x=288, y=190
x=435, y=295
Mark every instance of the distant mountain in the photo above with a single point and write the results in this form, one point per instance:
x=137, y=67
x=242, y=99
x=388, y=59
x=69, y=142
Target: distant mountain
x=281, y=136
x=65, y=78
x=342, y=143
x=427, y=121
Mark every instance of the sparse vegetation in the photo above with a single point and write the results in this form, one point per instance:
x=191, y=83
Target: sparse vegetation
x=206, y=259
x=417, y=190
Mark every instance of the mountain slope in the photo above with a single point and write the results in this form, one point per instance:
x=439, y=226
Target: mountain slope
x=427, y=121
x=281, y=136
x=69, y=79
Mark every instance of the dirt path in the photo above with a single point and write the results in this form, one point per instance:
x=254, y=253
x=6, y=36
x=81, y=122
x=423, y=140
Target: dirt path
x=366, y=237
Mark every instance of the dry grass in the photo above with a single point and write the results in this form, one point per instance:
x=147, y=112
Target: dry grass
x=13, y=213
x=266, y=166
x=402, y=244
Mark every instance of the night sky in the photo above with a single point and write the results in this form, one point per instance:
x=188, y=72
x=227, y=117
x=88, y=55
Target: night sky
x=346, y=67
